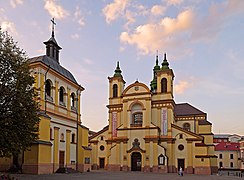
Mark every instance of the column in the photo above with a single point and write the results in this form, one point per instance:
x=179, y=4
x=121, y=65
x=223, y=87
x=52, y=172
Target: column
x=68, y=148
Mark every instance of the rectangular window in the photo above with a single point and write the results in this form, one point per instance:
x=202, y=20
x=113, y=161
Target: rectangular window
x=73, y=138
x=220, y=156
x=87, y=160
x=231, y=156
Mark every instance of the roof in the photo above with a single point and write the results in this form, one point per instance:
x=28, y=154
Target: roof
x=227, y=146
x=54, y=65
x=186, y=109
x=204, y=122
x=222, y=136
x=99, y=132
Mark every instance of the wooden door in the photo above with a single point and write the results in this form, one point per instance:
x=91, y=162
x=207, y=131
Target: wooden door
x=101, y=163
x=61, y=159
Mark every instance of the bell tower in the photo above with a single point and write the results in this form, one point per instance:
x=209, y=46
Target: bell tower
x=116, y=84
x=165, y=78
x=52, y=47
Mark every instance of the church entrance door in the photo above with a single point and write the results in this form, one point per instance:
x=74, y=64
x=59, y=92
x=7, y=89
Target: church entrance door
x=136, y=161
x=181, y=163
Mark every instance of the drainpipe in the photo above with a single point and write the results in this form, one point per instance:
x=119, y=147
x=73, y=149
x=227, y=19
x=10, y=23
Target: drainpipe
x=77, y=125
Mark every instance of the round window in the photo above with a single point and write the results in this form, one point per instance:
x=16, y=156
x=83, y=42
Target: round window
x=102, y=148
x=180, y=147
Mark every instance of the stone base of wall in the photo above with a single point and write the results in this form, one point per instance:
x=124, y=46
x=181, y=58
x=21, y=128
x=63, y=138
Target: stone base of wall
x=146, y=169
x=84, y=167
x=113, y=167
x=163, y=169
x=202, y=170
x=189, y=170
x=214, y=169
x=94, y=167
x=172, y=169
x=37, y=168
x=125, y=168
x=155, y=169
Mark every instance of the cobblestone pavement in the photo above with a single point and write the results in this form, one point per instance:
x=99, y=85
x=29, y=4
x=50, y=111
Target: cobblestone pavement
x=106, y=175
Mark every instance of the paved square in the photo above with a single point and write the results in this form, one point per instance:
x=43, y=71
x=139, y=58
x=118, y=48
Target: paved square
x=106, y=175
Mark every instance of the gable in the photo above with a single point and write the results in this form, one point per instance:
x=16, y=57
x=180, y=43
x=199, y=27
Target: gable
x=136, y=88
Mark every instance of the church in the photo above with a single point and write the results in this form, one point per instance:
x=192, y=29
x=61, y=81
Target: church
x=63, y=141
x=148, y=131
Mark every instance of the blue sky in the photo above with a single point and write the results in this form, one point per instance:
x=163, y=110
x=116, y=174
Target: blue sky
x=203, y=41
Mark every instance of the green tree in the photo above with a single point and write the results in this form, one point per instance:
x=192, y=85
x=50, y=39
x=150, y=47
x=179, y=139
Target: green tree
x=18, y=109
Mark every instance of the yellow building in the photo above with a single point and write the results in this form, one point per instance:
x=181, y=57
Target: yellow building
x=149, y=132
x=63, y=142
x=242, y=154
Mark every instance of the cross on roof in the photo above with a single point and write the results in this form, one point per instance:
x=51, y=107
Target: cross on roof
x=53, y=23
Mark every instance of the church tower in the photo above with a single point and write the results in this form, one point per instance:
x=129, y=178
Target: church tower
x=164, y=77
x=52, y=47
x=116, y=85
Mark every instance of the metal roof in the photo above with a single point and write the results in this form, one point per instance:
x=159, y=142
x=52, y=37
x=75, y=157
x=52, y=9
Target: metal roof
x=185, y=109
x=54, y=65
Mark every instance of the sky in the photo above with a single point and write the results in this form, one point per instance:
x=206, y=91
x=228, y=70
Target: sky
x=204, y=42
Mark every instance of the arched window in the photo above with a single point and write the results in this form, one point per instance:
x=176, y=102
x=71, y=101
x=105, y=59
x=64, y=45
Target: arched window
x=48, y=87
x=220, y=164
x=61, y=96
x=161, y=159
x=72, y=99
x=115, y=90
x=137, y=115
x=164, y=85
x=187, y=126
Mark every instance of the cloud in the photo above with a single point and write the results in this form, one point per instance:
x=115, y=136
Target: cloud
x=181, y=87
x=208, y=27
x=158, y=10
x=15, y=3
x=55, y=10
x=78, y=17
x=174, y=2
x=9, y=26
x=114, y=10
x=75, y=36
x=152, y=36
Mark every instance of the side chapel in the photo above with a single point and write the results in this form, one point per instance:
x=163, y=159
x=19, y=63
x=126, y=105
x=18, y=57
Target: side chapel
x=149, y=132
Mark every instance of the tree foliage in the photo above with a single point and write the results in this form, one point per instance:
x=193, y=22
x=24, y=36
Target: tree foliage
x=18, y=109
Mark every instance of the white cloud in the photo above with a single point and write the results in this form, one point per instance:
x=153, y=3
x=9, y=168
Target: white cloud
x=55, y=10
x=174, y=2
x=158, y=10
x=114, y=10
x=75, y=36
x=15, y=3
x=9, y=26
x=181, y=87
x=152, y=36
x=78, y=17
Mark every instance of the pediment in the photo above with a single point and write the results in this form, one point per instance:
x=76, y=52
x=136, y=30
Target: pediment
x=136, y=88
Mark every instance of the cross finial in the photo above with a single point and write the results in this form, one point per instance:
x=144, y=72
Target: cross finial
x=53, y=23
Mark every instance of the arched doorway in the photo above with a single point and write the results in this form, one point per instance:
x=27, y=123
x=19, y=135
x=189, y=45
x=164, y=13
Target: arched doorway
x=136, y=161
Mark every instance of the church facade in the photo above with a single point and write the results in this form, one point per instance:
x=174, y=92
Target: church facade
x=149, y=132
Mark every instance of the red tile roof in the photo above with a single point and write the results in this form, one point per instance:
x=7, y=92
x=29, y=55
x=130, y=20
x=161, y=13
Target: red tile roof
x=227, y=146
